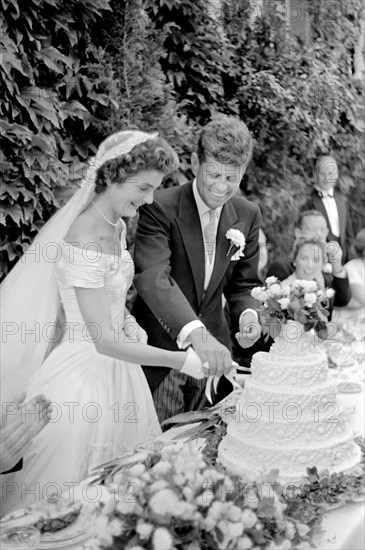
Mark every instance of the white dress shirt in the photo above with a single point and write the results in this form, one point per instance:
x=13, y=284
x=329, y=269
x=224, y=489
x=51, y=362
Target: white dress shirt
x=329, y=202
x=203, y=210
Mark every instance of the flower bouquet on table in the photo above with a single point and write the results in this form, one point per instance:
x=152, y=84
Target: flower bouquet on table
x=174, y=501
x=302, y=301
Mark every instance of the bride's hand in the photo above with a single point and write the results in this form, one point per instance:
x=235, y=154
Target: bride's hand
x=193, y=365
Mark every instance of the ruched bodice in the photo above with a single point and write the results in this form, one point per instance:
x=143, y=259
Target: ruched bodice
x=88, y=267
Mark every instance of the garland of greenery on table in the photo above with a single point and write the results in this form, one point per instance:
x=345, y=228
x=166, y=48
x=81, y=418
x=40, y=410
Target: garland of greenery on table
x=173, y=510
x=320, y=491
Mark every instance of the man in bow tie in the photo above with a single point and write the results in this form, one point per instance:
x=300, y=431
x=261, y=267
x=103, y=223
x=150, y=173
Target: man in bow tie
x=333, y=205
x=185, y=263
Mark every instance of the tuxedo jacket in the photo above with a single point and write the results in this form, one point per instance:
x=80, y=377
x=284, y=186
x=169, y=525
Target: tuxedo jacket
x=170, y=269
x=346, y=233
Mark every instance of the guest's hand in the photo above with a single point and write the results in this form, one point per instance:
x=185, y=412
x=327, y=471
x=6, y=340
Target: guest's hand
x=250, y=330
x=21, y=423
x=334, y=255
x=213, y=355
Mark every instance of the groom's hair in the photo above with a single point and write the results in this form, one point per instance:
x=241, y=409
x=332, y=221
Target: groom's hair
x=227, y=139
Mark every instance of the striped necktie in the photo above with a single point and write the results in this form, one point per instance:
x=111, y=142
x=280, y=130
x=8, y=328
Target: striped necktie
x=210, y=233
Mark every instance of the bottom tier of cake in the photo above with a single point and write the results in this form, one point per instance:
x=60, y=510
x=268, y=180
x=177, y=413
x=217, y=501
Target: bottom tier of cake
x=252, y=461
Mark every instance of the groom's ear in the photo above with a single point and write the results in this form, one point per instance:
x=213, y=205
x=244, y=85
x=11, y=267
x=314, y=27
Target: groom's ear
x=194, y=163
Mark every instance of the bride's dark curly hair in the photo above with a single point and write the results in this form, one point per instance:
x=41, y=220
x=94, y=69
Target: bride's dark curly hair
x=153, y=154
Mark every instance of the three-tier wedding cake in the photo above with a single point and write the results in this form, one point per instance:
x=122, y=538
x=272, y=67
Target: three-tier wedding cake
x=288, y=416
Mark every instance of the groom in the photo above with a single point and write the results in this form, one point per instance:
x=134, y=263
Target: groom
x=185, y=263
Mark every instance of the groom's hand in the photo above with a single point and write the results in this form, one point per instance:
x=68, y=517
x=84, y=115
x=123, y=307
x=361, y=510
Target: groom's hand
x=212, y=352
x=250, y=330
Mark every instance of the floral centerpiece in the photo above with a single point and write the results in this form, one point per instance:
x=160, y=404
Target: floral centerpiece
x=173, y=501
x=302, y=301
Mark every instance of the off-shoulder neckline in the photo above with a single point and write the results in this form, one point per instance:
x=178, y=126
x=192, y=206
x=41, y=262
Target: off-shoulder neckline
x=97, y=252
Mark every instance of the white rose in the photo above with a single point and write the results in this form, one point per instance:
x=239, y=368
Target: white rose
x=109, y=506
x=102, y=530
x=204, y=499
x=248, y=518
x=144, y=530
x=179, y=479
x=116, y=527
x=310, y=298
x=309, y=286
x=158, y=485
x=184, y=510
x=244, y=543
x=330, y=293
x=209, y=523
x=162, y=467
x=212, y=475
x=257, y=292
x=234, y=513
x=235, y=529
x=163, y=502
x=162, y=540
x=274, y=290
x=290, y=530
x=126, y=507
x=302, y=529
x=217, y=510
x=271, y=280
x=284, y=302
x=137, y=470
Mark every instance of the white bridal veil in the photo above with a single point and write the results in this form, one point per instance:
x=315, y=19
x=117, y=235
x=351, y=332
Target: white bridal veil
x=29, y=294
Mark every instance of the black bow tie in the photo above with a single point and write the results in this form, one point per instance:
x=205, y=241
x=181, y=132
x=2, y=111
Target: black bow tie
x=324, y=194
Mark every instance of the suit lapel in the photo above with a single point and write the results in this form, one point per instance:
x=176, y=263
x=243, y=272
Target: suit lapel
x=227, y=221
x=188, y=222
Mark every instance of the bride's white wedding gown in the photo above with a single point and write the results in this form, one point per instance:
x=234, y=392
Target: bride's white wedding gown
x=102, y=406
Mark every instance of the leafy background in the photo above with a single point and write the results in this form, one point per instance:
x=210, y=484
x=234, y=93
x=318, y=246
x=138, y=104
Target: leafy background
x=74, y=71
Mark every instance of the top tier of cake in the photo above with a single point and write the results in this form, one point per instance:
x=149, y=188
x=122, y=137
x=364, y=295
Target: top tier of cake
x=281, y=369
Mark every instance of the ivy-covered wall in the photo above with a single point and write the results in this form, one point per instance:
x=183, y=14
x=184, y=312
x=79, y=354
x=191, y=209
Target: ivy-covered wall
x=74, y=71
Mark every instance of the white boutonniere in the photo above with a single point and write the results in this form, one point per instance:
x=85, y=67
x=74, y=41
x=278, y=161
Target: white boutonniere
x=237, y=239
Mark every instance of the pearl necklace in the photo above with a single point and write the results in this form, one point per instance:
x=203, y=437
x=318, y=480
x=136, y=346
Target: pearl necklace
x=105, y=218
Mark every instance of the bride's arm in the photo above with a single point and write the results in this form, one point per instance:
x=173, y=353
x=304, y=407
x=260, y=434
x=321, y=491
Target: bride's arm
x=111, y=340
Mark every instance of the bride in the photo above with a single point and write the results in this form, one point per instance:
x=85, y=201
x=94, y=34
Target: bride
x=79, y=266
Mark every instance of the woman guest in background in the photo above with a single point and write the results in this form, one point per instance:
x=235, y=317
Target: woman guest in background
x=354, y=311
x=308, y=260
x=101, y=400
x=309, y=256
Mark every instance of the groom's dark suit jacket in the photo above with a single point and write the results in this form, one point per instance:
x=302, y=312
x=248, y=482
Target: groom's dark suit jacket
x=169, y=260
x=346, y=233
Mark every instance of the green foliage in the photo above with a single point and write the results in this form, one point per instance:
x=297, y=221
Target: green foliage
x=146, y=99
x=299, y=102
x=70, y=77
x=197, y=56
x=48, y=102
